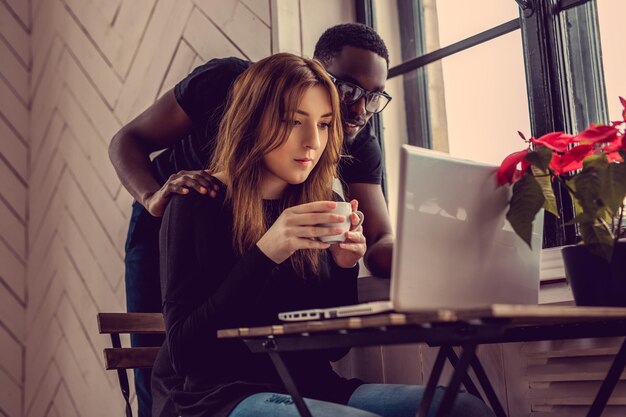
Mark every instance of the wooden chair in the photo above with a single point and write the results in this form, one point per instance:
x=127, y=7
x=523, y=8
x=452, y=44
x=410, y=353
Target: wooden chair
x=122, y=358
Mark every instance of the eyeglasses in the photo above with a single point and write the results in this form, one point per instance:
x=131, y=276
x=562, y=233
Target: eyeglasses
x=349, y=93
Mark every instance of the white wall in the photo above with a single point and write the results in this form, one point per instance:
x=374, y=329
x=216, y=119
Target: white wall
x=297, y=24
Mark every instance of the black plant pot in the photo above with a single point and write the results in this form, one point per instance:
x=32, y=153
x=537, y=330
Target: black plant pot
x=595, y=281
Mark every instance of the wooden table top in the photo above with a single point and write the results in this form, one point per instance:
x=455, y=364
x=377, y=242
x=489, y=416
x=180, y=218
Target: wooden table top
x=519, y=315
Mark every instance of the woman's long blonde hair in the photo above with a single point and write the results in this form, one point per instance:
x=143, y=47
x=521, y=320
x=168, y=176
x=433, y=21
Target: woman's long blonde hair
x=265, y=96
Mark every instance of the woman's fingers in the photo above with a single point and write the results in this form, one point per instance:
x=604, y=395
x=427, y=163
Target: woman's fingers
x=355, y=241
x=355, y=220
x=353, y=247
x=317, y=231
x=316, y=206
x=312, y=219
x=356, y=235
x=312, y=244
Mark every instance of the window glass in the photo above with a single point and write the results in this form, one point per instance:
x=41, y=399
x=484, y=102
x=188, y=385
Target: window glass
x=454, y=24
x=486, y=100
x=477, y=101
x=445, y=22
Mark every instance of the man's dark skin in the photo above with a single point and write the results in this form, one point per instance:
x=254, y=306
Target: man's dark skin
x=165, y=122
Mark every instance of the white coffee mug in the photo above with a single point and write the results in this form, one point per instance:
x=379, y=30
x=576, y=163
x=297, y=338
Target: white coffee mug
x=345, y=209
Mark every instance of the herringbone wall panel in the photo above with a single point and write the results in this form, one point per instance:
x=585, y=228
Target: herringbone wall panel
x=96, y=64
x=71, y=73
x=14, y=147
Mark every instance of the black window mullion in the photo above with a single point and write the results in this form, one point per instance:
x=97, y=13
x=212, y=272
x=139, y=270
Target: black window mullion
x=459, y=46
x=565, y=84
x=365, y=12
x=547, y=99
x=413, y=45
x=589, y=101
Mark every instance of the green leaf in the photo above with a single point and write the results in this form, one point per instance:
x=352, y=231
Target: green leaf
x=613, y=186
x=526, y=201
x=543, y=179
x=578, y=209
x=588, y=192
x=580, y=218
x=597, y=161
x=540, y=157
x=597, y=238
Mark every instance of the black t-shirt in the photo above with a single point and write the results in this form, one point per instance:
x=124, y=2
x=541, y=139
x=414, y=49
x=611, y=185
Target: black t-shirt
x=207, y=286
x=203, y=95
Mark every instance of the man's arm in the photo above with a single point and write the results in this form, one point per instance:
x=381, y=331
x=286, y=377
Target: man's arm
x=160, y=126
x=376, y=228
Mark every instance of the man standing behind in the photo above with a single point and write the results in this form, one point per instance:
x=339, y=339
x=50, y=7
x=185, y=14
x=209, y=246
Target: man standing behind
x=184, y=121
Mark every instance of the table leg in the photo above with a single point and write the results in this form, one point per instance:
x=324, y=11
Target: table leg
x=285, y=376
x=616, y=369
x=483, y=379
x=467, y=354
x=433, y=379
x=467, y=381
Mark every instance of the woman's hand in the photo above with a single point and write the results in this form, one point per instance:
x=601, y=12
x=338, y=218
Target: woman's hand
x=348, y=253
x=296, y=229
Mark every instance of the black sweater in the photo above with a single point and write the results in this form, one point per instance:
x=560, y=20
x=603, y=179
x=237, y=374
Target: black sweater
x=206, y=286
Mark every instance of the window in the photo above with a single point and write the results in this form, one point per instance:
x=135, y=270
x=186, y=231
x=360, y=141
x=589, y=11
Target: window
x=465, y=76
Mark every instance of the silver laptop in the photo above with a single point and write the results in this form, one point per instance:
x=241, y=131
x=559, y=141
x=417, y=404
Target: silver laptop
x=454, y=246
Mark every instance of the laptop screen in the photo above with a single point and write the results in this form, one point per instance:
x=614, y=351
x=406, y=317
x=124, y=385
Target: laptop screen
x=454, y=246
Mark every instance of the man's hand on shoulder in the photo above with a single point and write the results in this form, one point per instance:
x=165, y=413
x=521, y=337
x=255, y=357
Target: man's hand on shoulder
x=180, y=183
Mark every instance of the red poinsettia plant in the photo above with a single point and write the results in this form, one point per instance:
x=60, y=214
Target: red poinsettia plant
x=589, y=165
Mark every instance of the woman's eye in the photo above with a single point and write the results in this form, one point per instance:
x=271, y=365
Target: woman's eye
x=325, y=125
x=295, y=122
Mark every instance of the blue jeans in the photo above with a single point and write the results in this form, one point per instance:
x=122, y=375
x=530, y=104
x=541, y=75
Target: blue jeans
x=369, y=400
x=143, y=289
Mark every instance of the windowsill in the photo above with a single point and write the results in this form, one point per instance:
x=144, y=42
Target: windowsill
x=553, y=288
x=551, y=265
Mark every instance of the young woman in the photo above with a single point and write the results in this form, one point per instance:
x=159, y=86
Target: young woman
x=241, y=258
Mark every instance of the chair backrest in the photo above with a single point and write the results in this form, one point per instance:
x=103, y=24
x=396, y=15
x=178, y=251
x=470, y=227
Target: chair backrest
x=114, y=324
x=122, y=358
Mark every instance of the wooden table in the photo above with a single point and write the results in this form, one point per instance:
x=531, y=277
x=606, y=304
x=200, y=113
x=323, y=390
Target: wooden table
x=448, y=327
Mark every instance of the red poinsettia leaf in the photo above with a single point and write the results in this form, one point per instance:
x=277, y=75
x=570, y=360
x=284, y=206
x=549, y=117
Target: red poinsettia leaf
x=572, y=160
x=571, y=166
x=597, y=134
x=614, y=157
x=615, y=145
x=506, y=171
x=557, y=141
x=555, y=163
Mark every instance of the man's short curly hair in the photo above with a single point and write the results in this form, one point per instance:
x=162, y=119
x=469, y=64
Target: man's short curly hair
x=357, y=35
